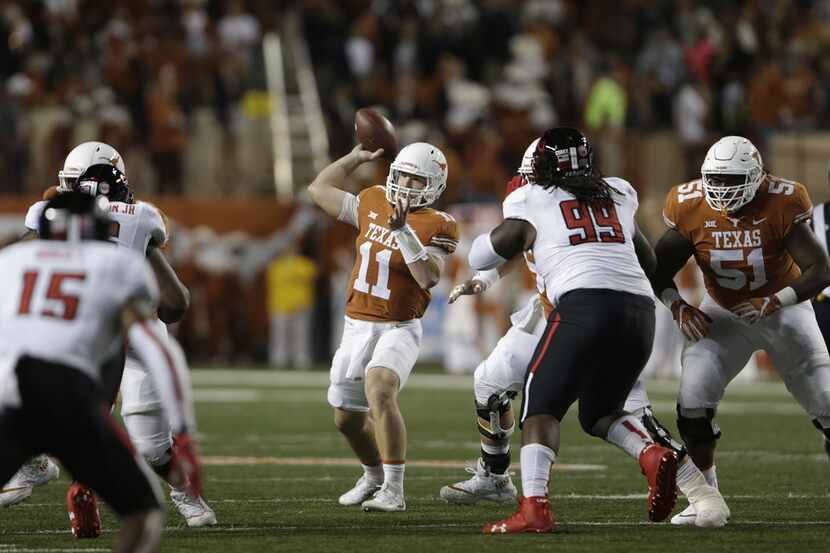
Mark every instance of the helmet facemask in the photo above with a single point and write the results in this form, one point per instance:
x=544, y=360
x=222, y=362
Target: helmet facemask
x=418, y=197
x=728, y=192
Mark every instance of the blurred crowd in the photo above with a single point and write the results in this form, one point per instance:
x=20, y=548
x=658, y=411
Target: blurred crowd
x=480, y=78
x=130, y=72
x=483, y=78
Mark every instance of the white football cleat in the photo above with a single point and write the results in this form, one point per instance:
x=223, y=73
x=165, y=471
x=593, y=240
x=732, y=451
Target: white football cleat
x=362, y=490
x=37, y=471
x=708, y=510
x=385, y=500
x=686, y=517
x=196, y=512
x=483, y=486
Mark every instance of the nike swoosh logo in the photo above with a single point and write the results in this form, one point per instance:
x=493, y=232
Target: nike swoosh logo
x=758, y=221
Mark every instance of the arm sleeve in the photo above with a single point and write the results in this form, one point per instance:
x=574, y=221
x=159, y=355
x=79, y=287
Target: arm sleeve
x=167, y=365
x=33, y=215
x=348, y=212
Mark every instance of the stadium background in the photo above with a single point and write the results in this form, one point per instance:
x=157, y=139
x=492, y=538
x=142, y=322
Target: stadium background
x=225, y=110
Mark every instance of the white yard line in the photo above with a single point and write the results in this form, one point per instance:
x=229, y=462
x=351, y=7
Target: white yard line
x=474, y=527
x=348, y=462
x=429, y=381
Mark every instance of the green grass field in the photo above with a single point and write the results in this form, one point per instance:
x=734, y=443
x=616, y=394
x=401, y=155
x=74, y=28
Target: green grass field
x=275, y=466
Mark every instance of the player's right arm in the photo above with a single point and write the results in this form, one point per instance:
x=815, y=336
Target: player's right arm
x=174, y=299
x=482, y=280
x=672, y=252
x=167, y=365
x=325, y=190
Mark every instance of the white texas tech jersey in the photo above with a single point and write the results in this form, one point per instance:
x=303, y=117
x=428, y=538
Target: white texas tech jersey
x=578, y=245
x=60, y=301
x=134, y=225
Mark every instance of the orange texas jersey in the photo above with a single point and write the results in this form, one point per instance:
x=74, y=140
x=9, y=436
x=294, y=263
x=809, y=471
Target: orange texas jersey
x=742, y=254
x=381, y=287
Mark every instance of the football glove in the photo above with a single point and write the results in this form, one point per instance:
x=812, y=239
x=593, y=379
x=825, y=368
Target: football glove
x=754, y=309
x=693, y=323
x=184, y=465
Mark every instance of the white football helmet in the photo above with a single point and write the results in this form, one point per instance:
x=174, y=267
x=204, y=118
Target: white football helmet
x=82, y=157
x=732, y=173
x=526, y=168
x=423, y=160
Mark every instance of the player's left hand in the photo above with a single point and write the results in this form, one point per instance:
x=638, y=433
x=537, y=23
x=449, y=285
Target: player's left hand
x=754, y=309
x=398, y=218
x=184, y=465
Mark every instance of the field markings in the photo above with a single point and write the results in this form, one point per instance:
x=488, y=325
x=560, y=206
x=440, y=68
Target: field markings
x=784, y=406
x=432, y=381
x=402, y=526
x=232, y=460
x=436, y=499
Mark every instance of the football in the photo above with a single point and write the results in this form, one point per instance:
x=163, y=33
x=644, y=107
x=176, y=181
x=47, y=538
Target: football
x=374, y=131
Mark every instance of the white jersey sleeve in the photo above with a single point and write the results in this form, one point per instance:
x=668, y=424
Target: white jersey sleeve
x=515, y=205
x=33, y=215
x=137, y=225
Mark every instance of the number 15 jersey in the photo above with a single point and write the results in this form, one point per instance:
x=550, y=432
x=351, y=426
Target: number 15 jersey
x=381, y=287
x=581, y=245
x=742, y=255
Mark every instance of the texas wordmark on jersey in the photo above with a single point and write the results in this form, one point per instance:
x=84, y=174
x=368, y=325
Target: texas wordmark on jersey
x=381, y=287
x=742, y=255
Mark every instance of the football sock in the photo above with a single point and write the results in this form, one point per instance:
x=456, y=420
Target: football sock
x=629, y=434
x=536, y=460
x=711, y=476
x=689, y=476
x=496, y=458
x=393, y=476
x=374, y=474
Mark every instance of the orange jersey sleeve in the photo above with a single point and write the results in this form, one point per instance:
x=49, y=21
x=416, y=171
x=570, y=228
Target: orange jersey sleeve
x=381, y=287
x=742, y=255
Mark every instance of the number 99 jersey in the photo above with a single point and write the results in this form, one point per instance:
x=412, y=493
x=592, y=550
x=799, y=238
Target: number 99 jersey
x=581, y=245
x=743, y=254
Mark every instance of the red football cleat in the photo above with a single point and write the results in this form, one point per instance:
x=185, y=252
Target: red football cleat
x=83, y=511
x=533, y=516
x=659, y=465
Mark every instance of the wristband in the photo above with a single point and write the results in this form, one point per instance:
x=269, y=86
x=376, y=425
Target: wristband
x=669, y=296
x=409, y=245
x=787, y=296
x=487, y=278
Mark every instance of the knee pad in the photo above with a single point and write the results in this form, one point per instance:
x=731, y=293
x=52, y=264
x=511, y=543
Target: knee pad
x=152, y=442
x=489, y=417
x=697, y=425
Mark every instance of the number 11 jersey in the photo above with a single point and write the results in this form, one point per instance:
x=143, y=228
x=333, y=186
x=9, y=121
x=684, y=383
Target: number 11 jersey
x=578, y=244
x=381, y=287
x=742, y=255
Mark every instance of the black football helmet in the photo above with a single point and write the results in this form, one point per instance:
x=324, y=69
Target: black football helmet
x=562, y=152
x=75, y=215
x=107, y=180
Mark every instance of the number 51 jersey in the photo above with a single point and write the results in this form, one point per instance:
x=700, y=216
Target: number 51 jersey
x=742, y=255
x=578, y=244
